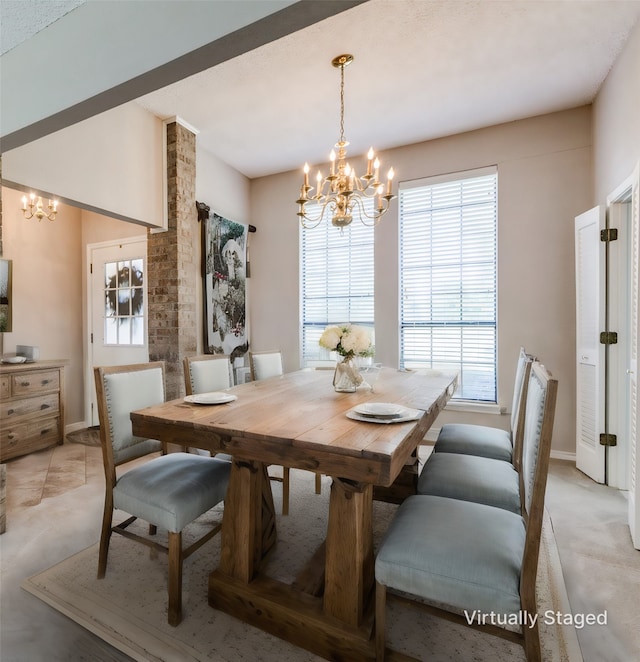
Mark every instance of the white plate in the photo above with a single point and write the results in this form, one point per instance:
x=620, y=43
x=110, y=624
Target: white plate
x=213, y=398
x=408, y=415
x=380, y=410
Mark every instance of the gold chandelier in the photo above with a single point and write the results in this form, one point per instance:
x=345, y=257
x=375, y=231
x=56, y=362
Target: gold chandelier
x=34, y=208
x=342, y=192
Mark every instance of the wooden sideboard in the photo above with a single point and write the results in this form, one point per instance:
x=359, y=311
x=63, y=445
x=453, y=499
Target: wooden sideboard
x=31, y=407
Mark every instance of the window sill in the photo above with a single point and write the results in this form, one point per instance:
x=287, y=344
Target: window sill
x=475, y=407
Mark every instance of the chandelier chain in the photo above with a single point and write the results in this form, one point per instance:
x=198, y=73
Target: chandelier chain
x=342, y=103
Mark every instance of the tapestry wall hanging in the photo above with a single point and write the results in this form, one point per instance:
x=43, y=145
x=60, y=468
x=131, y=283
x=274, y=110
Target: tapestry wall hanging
x=224, y=254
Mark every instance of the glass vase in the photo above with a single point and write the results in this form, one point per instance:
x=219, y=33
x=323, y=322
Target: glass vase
x=347, y=377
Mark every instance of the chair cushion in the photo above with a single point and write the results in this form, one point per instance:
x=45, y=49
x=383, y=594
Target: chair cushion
x=172, y=490
x=210, y=375
x=471, y=478
x=459, y=554
x=475, y=440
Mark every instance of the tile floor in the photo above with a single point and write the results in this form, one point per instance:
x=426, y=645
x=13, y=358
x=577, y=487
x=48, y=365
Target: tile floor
x=54, y=506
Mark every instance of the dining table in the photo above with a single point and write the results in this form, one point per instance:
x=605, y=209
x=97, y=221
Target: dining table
x=299, y=421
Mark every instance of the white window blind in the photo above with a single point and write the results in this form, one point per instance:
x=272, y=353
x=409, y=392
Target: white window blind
x=448, y=278
x=337, y=282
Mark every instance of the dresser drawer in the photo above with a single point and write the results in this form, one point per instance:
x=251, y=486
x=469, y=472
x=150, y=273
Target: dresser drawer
x=5, y=386
x=31, y=383
x=41, y=404
x=28, y=437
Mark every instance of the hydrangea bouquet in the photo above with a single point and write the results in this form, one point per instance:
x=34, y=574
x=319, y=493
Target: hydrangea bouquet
x=348, y=340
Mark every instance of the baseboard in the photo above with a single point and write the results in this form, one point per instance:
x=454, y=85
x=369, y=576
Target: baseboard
x=563, y=455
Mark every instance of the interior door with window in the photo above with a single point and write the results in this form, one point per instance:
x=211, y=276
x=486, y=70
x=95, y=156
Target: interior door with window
x=117, y=308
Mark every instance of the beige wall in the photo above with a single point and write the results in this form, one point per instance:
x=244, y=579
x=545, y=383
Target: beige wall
x=616, y=122
x=544, y=181
x=110, y=163
x=47, y=289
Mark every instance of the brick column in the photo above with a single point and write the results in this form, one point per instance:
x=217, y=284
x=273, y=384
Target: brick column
x=171, y=268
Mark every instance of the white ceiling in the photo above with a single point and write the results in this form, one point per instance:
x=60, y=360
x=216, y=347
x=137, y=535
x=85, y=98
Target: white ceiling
x=423, y=69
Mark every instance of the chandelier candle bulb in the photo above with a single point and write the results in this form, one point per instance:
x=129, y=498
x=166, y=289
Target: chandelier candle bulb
x=389, y=181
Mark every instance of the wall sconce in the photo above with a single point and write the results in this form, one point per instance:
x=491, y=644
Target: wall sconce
x=34, y=208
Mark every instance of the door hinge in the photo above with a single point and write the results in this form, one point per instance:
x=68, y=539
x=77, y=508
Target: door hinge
x=608, y=338
x=92, y=338
x=609, y=234
x=608, y=440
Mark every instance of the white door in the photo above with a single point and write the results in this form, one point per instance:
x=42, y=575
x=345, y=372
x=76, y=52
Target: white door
x=590, y=455
x=117, y=308
x=632, y=370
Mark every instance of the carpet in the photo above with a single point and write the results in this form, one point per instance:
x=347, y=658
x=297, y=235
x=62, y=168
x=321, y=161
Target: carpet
x=128, y=607
x=87, y=436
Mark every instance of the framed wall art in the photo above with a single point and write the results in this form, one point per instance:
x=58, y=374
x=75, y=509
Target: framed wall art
x=224, y=256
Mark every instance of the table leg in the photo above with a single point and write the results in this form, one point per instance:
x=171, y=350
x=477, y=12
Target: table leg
x=349, y=569
x=248, y=522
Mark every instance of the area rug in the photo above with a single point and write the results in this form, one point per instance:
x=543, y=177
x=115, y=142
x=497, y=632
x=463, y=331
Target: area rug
x=128, y=607
x=87, y=436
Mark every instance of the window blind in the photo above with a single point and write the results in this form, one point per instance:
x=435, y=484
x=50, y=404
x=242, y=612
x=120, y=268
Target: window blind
x=448, y=251
x=337, y=282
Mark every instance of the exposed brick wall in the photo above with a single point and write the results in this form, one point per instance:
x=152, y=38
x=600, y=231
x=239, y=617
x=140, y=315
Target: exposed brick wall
x=171, y=264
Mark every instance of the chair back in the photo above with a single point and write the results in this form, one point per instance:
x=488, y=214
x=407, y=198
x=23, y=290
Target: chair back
x=121, y=390
x=538, y=428
x=206, y=373
x=265, y=364
x=519, y=405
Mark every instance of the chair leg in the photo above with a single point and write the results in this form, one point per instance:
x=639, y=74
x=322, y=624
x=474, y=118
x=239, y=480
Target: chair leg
x=381, y=597
x=318, y=483
x=175, y=578
x=105, y=536
x=532, y=643
x=285, y=490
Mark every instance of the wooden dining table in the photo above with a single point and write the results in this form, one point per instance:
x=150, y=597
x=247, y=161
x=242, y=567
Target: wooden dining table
x=297, y=420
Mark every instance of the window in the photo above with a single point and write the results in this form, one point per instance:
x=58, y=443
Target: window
x=124, y=309
x=337, y=282
x=448, y=278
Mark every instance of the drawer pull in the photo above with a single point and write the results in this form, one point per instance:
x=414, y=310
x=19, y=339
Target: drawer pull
x=44, y=406
x=25, y=384
x=11, y=411
x=45, y=382
x=45, y=431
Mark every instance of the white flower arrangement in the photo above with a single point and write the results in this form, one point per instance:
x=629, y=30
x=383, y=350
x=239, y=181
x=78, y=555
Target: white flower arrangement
x=348, y=340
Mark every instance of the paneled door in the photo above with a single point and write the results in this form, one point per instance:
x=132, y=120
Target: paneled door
x=590, y=455
x=117, y=308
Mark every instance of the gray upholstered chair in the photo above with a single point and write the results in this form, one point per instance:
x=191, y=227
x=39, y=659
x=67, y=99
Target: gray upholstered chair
x=169, y=491
x=487, y=441
x=458, y=555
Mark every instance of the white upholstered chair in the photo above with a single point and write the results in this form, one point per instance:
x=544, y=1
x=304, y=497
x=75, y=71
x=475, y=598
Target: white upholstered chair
x=206, y=373
x=264, y=365
x=458, y=555
x=169, y=491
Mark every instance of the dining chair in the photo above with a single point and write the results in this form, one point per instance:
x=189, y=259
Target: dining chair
x=168, y=491
x=264, y=365
x=205, y=373
x=459, y=557
x=487, y=480
x=269, y=364
x=487, y=441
